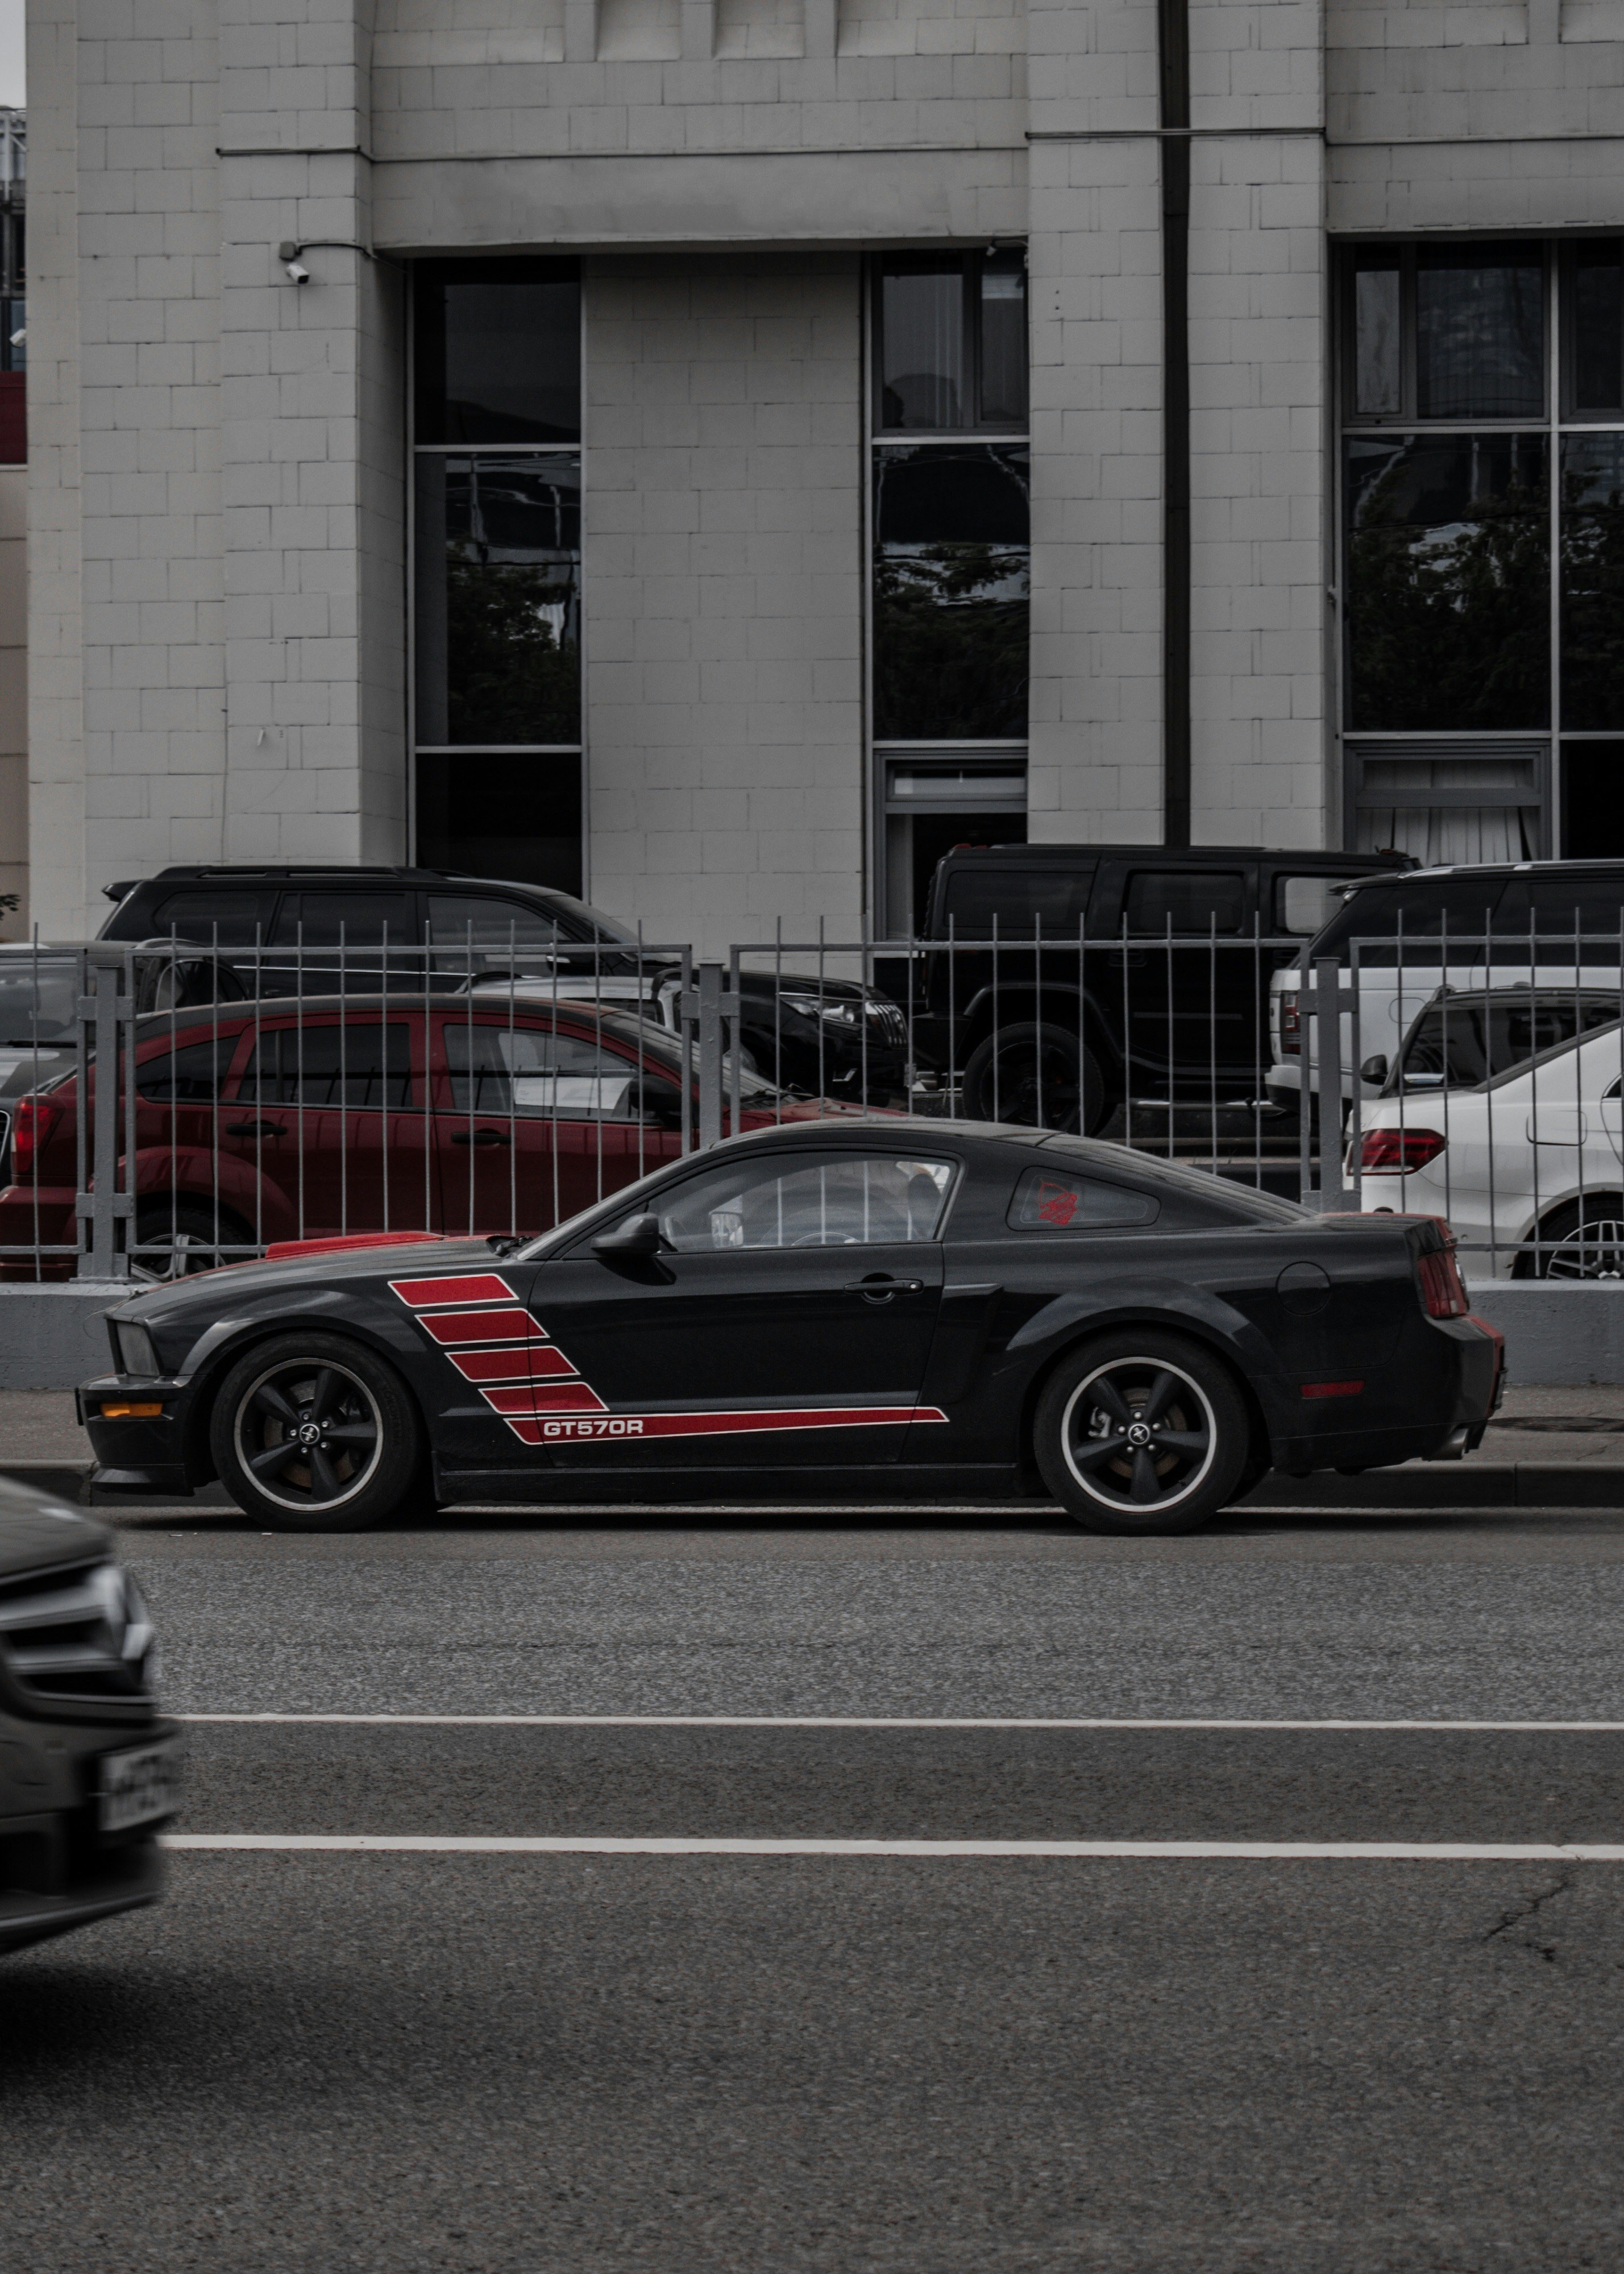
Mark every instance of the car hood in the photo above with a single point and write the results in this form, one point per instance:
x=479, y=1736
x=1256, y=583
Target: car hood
x=217, y=1290
x=37, y=1532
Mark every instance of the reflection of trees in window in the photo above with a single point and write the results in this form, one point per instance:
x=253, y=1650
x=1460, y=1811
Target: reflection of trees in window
x=1480, y=331
x=950, y=585
x=1592, y=557
x=1448, y=570
x=499, y=614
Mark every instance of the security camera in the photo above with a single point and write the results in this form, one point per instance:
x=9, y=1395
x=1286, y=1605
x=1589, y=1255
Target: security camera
x=298, y=273
x=288, y=252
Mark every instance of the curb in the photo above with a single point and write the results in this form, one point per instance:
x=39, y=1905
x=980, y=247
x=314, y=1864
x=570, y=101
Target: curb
x=1432, y=1485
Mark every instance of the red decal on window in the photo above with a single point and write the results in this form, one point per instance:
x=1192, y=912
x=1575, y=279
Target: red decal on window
x=1059, y=1205
x=478, y=1287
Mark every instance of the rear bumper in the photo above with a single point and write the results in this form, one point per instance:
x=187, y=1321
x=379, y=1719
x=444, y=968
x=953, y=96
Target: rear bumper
x=1433, y=1402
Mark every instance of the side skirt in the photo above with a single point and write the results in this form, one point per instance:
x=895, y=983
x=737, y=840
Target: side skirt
x=962, y=1485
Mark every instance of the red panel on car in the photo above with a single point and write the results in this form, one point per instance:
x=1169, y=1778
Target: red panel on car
x=475, y=1287
x=511, y=1365
x=513, y=1326
x=567, y=1398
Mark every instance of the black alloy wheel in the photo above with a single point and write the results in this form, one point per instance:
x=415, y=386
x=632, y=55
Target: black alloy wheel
x=1039, y=1076
x=1578, y=1242
x=1142, y=1431
x=314, y=1433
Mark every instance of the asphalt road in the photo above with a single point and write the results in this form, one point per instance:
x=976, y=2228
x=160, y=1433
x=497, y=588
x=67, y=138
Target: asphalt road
x=566, y=2063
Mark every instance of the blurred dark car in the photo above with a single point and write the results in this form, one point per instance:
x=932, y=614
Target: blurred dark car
x=89, y=1772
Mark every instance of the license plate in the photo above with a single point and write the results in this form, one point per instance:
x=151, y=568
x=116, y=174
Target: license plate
x=138, y=1787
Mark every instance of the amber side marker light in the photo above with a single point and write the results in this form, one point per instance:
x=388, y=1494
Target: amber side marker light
x=1333, y=1389
x=130, y=1411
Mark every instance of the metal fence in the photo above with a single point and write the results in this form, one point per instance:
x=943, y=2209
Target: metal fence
x=261, y=1094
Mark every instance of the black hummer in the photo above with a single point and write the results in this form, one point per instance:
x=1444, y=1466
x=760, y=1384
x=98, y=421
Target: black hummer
x=1156, y=985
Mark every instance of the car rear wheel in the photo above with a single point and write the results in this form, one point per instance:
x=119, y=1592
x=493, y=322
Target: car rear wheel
x=313, y=1432
x=1041, y=1076
x=1579, y=1242
x=1142, y=1431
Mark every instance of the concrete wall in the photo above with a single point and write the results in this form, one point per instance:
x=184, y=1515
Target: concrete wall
x=725, y=581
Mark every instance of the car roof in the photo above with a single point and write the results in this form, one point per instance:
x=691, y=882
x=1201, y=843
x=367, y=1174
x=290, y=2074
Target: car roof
x=1163, y=856
x=1413, y=879
x=264, y=1008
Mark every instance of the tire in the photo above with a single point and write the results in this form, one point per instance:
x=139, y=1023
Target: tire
x=327, y=1382
x=175, y=1238
x=1182, y=1474
x=1039, y=1076
x=1579, y=1241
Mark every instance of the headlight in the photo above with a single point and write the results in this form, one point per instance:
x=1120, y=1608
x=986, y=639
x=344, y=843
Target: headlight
x=825, y=1007
x=136, y=1354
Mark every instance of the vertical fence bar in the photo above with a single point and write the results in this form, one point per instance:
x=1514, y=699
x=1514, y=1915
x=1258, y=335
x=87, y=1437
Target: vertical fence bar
x=1327, y=1020
x=710, y=1056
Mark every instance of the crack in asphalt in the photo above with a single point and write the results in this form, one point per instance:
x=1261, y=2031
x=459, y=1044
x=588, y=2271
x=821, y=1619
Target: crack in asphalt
x=1531, y=1909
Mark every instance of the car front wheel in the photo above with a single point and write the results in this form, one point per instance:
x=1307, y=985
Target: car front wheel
x=1142, y=1431
x=313, y=1432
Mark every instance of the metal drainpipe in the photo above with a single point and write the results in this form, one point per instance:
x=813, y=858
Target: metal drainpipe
x=1173, y=55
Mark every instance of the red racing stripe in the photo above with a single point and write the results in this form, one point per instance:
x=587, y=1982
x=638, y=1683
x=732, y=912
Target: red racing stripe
x=639, y=1428
x=563, y=1398
x=478, y=1287
x=481, y=1326
x=524, y=1364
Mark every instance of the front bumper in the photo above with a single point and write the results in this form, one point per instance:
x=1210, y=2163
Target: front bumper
x=58, y=1869
x=143, y=1453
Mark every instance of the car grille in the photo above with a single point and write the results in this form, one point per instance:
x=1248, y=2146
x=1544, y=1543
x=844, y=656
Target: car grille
x=78, y=1636
x=887, y=1025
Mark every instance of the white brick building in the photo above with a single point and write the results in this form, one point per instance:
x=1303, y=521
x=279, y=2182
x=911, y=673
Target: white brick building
x=1320, y=305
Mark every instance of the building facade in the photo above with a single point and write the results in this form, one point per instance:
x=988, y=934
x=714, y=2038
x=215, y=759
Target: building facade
x=717, y=454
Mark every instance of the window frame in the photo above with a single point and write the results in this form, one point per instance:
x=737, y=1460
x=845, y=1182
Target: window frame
x=970, y=264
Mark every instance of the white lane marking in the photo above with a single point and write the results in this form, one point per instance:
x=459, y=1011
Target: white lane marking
x=1354, y=1851
x=854, y=1721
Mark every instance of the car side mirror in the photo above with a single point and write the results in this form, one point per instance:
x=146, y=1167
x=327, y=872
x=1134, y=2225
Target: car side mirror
x=1374, y=1070
x=651, y=1099
x=639, y=1235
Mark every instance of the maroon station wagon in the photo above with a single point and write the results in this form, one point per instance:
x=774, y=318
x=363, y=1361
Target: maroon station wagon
x=256, y=1123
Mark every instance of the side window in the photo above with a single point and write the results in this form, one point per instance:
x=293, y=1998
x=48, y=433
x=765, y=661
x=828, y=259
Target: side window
x=1185, y=901
x=1046, y=1201
x=1560, y=903
x=1304, y=905
x=192, y=1076
x=526, y=1071
x=342, y=1064
x=234, y=919
x=840, y=1199
x=1016, y=900
x=456, y=920
x=320, y=919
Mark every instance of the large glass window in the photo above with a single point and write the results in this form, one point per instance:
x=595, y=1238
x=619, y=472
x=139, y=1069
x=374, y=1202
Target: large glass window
x=951, y=567
x=497, y=543
x=1448, y=582
x=1482, y=505
x=951, y=342
x=952, y=550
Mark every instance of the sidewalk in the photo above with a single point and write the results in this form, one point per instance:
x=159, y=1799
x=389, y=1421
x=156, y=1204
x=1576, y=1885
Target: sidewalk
x=1545, y=1449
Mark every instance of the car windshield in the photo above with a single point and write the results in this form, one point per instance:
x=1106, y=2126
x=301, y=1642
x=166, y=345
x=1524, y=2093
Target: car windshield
x=39, y=1003
x=1460, y=1041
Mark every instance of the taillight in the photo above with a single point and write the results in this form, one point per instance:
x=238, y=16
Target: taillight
x=1395, y=1152
x=1443, y=1291
x=1290, y=1025
x=32, y=1119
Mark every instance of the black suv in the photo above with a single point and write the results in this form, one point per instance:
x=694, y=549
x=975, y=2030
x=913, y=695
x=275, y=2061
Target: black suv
x=824, y=1035
x=1174, y=1008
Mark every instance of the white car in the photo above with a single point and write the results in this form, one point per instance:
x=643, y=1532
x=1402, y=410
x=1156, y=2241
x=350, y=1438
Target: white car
x=1549, y=923
x=1527, y=1164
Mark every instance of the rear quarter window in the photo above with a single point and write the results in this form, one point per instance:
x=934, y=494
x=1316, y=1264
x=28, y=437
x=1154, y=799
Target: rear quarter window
x=1050, y=1199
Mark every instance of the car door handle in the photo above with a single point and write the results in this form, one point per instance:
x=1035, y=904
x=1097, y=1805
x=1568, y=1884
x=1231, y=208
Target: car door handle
x=256, y=1129
x=879, y=1287
x=480, y=1137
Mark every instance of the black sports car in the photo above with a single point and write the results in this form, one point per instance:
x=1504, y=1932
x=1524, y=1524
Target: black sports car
x=874, y=1307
